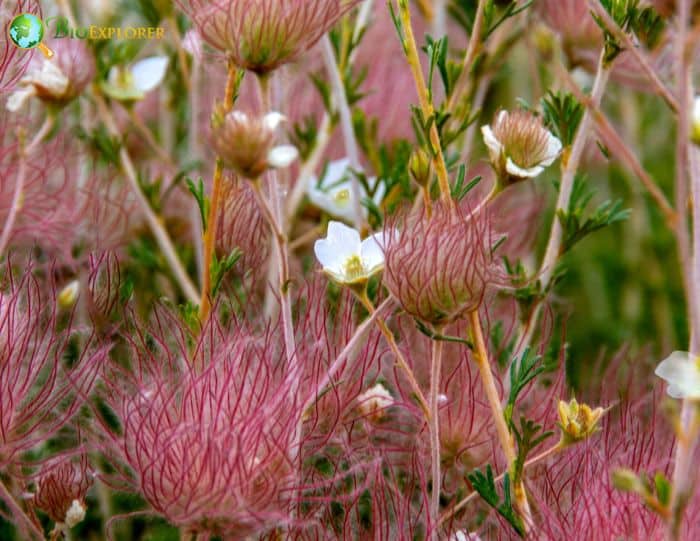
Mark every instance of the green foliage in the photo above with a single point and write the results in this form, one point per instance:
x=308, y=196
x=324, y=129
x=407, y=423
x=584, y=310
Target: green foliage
x=562, y=113
x=485, y=486
x=199, y=193
x=522, y=372
x=104, y=145
x=528, y=437
x=644, y=22
x=219, y=269
x=304, y=135
x=427, y=331
x=495, y=14
x=460, y=189
x=578, y=224
x=656, y=492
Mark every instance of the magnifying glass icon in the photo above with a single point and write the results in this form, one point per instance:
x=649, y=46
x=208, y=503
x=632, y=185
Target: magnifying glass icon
x=26, y=31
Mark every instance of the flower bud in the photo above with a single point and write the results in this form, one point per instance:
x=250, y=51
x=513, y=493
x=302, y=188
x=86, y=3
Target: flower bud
x=577, y=421
x=626, y=480
x=519, y=146
x=68, y=295
x=246, y=143
x=420, y=167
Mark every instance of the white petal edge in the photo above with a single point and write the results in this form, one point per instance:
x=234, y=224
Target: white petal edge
x=519, y=172
x=341, y=243
x=553, y=151
x=696, y=110
x=493, y=145
x=18, y=98
x=282, y=156
x=149, y=72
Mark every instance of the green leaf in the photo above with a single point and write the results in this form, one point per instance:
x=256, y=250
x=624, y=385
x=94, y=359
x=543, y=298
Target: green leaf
x=485, y=486
x=522, y=372
x=219, y=269
x=562, y=114
x=528, y=437
x=577, y=225
x=459, y=188
x=197, y=191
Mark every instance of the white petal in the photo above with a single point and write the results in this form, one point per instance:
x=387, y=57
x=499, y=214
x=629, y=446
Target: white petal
x=149, y=72
x=335, y=172
x=18, y=98
x=372, y=251
x=682, y=373
x=519, y=172
x=282, y=156
x=493, y=145
x=379, y=190
x=553, y=150
x=696, y=110
x=273, y=120
x=341, y=243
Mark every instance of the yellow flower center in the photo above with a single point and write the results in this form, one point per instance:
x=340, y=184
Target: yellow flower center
x=354, y=267
x=342, y=196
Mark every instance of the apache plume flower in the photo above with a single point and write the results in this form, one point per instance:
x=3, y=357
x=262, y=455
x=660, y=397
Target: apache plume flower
x=347, y=259
x=61, y=490
x=519, y=145
x=246, y=143
x=211, y=447
x=336, y=196
x=261, y=35
x=60, y=79
x=681, y=370
x=578, y=421
x=439, y=267
x=133, y=83
x=38, y=395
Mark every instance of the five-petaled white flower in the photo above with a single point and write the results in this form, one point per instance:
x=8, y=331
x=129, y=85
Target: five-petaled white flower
x=681, y=370
x=519, y=145
x=347, y=259
x=334, y=195
x=134, y=82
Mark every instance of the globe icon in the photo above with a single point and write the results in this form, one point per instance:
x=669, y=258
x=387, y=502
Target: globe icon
x=26, y=31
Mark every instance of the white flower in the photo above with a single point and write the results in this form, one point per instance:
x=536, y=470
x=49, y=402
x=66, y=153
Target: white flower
x=695, y=122
x=75, y=514
x=681, y=370
x=134, y=82
x=374, y=401
x=49, y=78
x=336, y=196
x=345, y=258
x=519, y=145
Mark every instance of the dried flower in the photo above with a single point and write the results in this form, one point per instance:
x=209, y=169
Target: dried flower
x=578, y=421
x=60, y=79
x=336, y=196
x=246, y=143
x=374, y=401
x=519, y=145
x=347, y=259
x=261, y=35
x=439, y=267
x=61, y=490
x=134, y=82
x=681, y=370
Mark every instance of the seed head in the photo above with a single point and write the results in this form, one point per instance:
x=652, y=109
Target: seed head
x=246, y=143
x=261, y=35
x=61, y=490
x=439, y=267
